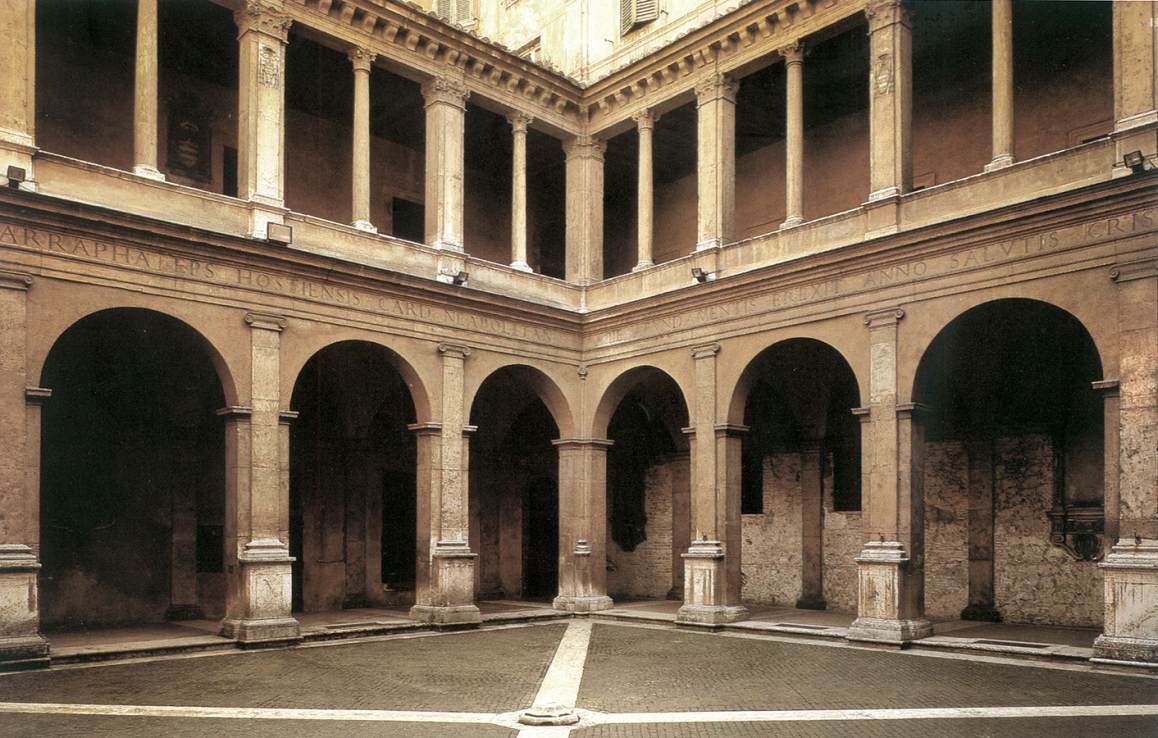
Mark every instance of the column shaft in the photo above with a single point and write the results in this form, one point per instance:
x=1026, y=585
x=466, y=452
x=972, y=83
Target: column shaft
x=145, y=92
x=794, y=136
x=362, y=61
x=519, y=123
x=18, y=86
x=445, y=127
x=582, y=525
x=1135, y=80
x=890, y=100
x=264, y=32
x=584, y=236
x=1002, y=84
x=645, y=124
x=716, y=160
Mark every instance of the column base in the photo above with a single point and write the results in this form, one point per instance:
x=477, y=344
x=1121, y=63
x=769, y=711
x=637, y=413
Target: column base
x=262, y=633
x=21, y=645
x=260, y=614
x=149, y=173
x=889, y=599
x=999, y=162
x=981, y=613
x=1131, y=591
x=812, y=603
x=643, y=265
x=892, y=632
x=791, y=222
x=450, y=601
x=521, y=266
x=711, y=243
x=365, y=225
x=592, y=603
x=706, y=588
x=447, y=616
x=711, y=614
x=549, y=715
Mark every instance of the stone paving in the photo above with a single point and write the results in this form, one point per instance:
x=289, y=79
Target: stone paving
x=622, y=680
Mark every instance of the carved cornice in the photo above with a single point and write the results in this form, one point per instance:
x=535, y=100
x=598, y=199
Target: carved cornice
x=361, y=58
x=264, y=17
x=519, y=121
x=716, y=87
x=584, y=147
x=885, y=13
x=446, y=90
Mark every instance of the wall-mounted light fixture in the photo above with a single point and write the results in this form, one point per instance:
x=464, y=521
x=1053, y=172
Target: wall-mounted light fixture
x=702, y=276
x=1136, y=162
x=16, y=175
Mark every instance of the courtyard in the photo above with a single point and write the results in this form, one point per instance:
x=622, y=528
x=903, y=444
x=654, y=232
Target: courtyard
x=618, y=678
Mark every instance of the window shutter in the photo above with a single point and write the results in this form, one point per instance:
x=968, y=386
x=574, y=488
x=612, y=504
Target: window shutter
x=462, y=11
x=646, y=11
x=442, y=8
x=626, y=15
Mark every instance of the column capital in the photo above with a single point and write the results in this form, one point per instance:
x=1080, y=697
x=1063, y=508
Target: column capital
x=645, y=119
x=287, y=417
x=793, y=53
x=600, y=443
x=15, y=281
x=519, y=121
x=884, y=13
x=731, y=430
x=1108, y=387
x=263, y=16
x=361, y=58
x=446, y=90
x=883, y=318
x=454, y=350
x=425, y=429
x=235, y=413
x=584, y=147
x=266, y=321
x=716, y=86
x=37, y=395
x=707, y=351
x=1130, y=271
x=913, y=410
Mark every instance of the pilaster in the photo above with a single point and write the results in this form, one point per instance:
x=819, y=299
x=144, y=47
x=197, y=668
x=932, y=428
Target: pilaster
x=21, y=645
x=793, y=55
x=263, y=31
x=716, y=160
x=584, y=230
x=1002, y=38
x=1135, y=80
x=17, y=87
x=258, y=594
x=582, y=524
x=362, y=60
x=890, y=597
x=447, y=598
x=890, y=99
x=712, y=562
x=645, y=202
x=1131, y=569
x=519, y=123
x=445, y=127
x=145, y=93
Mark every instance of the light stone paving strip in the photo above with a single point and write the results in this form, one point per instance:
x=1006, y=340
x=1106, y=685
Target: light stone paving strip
x=560, y=688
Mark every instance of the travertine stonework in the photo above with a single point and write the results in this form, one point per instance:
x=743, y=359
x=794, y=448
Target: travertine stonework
x=646, y=572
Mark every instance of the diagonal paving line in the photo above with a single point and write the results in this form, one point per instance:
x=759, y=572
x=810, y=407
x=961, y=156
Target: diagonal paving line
x=560, y=688
x=245, y=713
x=924, y=713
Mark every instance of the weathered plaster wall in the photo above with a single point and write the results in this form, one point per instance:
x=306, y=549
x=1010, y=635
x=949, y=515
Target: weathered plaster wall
x=843, y=541
x=946, y=530
x=646, y=572
x=772, y=541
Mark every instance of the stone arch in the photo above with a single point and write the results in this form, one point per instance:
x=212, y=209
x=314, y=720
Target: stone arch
x=619, y=388
x=545, y=387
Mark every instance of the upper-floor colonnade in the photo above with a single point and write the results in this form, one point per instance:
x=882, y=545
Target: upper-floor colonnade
x=463, y=214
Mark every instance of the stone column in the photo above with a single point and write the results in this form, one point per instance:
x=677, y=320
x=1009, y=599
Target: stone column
x=584, y=239
x=447, y=596
x=712, y=563
x=582, y=524
x=1135, y=80
x=17, y=87
x=1131, y=569
x=681, y=519
x=263, y=34
x=716, y=160
x=362, y=60
x=145, y=93
x=645, y=124
x=1002, y=85
x=21, y=644
x=445, y=126
x=980, y=458
x=519, y=123
x=794, y=137
x=890, y=99
x=812, y=527
x=258, y=592
x=890, y=600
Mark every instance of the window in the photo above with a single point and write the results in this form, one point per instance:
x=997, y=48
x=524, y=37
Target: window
x=635, y=13
x=456, y=11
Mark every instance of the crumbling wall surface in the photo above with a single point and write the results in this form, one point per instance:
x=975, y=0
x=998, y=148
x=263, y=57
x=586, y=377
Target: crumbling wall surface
x=772, y=541
x=1035, y=581
x=646, y=572
x=946, y=530
x=843, y=541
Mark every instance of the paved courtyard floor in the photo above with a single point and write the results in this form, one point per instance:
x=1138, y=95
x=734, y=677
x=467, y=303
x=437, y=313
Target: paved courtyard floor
x=620, y=679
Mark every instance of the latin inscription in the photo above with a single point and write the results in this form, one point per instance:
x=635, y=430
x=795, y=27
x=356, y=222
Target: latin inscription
x=201, y=270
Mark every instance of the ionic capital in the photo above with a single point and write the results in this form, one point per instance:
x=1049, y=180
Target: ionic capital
x=266, y=321
x=453, y=350
x=15, y=281
x=263, y=16
x=446, y=90
x=793, y=53
x=645, y=119
x=519, y=121
x=708, y=351
x=1128, y=272
x=882, y=318
x=584, y=147
x=361, y=58
x=716, y=87
x=884, y=13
